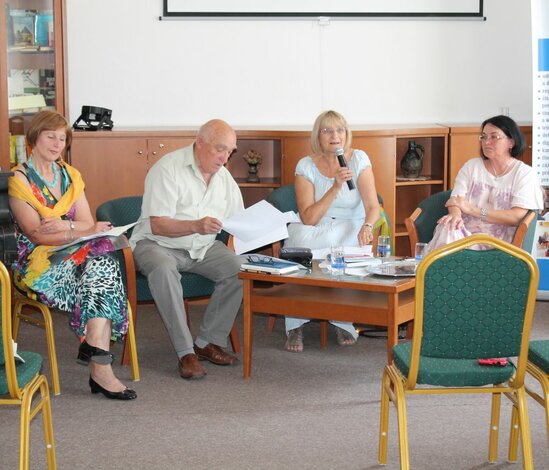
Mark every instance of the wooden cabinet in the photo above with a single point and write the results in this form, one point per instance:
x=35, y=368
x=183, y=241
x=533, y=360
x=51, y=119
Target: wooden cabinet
x=115, y=163
x=464, y=145
x=400, y=195
x=31, y=64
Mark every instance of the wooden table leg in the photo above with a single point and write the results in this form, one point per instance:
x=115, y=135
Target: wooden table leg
x=248, y=328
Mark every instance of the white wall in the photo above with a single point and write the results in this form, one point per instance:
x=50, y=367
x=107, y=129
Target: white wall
x=284, y=72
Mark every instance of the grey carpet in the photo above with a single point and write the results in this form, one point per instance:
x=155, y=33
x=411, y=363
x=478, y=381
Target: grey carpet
x=315, y=410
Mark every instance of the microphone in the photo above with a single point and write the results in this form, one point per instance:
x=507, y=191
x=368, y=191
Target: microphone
x=340, y=154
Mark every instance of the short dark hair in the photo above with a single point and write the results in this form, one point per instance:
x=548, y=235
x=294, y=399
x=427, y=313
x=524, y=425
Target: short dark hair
x=48, y=121
x=511, y=129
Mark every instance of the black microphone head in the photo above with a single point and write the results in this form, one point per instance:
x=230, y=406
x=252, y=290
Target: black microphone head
x=339, y=152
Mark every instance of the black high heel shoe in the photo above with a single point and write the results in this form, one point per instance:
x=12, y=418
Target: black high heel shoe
x=126, y=394
x=86, y=352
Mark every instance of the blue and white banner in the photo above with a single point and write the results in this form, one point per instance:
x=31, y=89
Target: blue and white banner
x=540, y=131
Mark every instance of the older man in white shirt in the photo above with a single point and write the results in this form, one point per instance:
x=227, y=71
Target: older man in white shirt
x=188, y=193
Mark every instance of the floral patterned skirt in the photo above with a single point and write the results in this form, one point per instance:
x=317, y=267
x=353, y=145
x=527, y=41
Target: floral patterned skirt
x=84, y=280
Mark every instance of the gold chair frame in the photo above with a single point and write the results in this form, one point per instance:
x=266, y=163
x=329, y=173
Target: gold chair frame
x=395, y=386
x=23, y=397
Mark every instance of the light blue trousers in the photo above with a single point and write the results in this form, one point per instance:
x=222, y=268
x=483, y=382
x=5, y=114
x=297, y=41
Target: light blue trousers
x=293, y=323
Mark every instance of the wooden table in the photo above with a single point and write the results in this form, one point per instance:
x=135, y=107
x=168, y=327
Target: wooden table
x=370, y=300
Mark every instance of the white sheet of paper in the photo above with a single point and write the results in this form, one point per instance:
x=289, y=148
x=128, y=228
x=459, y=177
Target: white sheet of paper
x=254, y=221
x=113, y=232
x=240, y=246
x=258, y=225
x=366, y=250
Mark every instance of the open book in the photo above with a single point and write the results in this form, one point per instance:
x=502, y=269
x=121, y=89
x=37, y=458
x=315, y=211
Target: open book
x=113, y=232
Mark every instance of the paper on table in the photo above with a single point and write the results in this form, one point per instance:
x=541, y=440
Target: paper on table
x=113, y=232
x=359, y=251
x=257, y=226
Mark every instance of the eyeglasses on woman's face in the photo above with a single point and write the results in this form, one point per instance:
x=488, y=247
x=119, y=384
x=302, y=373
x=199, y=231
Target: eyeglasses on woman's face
x=331, y=130
x=493, y=136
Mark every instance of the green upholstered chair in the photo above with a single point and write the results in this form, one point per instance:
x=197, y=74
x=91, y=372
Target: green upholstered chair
x=469, y=305
x=21, y=383
x=284, y=199
x=126, y=210
x=422, y=222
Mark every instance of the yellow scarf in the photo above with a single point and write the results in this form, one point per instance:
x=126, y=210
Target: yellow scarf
x=18, y=189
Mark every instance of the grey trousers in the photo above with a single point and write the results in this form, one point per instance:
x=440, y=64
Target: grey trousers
x=162, y=266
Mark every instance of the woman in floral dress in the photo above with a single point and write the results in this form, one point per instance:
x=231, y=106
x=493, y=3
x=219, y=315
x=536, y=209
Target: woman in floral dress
x=50, y=210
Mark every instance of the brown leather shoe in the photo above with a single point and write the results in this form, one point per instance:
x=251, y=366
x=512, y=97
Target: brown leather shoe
x=215, y=355
x=190, y=368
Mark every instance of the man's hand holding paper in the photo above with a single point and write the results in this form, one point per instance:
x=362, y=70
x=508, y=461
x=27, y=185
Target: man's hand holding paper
x=257, y=226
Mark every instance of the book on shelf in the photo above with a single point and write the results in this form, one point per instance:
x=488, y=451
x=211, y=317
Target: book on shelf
x=268, y=265
x=23, y=22
x=113, y=232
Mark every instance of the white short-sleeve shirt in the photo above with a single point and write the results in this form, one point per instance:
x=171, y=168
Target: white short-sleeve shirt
x=175, y=188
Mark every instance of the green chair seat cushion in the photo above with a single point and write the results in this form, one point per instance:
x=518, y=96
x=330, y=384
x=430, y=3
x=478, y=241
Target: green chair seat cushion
x=25, y=371
x=538, y=353
x=195, y=285
x=450, y=372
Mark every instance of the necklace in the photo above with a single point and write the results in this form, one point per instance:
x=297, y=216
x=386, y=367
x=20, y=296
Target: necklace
x=497, y=175
x=51, y=185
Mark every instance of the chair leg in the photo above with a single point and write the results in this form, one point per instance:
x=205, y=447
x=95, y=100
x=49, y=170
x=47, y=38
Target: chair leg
x=39, y=383
x=126, y=354
x=47, y=324
x=524, y=426
x=235, y=340
x=543, y=399
x=271, y=323
x=494, y=428
x=402, y=425
x=512, y=454
x=323, y=334
x=384, y=419
x=130, y=336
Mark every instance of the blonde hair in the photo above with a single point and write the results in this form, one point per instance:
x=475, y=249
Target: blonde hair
x=329, y=119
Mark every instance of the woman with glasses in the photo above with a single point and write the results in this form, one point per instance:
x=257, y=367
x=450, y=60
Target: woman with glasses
x=494, y=192
x=331, y=212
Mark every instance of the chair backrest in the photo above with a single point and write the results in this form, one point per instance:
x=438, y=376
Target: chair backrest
x=283, y=198
x=473, y=304
x=126, y=210
x=432, y=209
x=121, y=211
x=10, y=378
x=524, y=236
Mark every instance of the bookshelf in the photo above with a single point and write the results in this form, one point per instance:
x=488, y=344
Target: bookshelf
x=31, y=65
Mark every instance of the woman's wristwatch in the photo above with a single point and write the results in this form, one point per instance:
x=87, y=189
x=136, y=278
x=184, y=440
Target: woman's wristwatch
x=366, y=224
x=483, y=214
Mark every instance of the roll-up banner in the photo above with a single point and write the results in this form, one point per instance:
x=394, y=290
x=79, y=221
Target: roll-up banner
x=540, y=132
